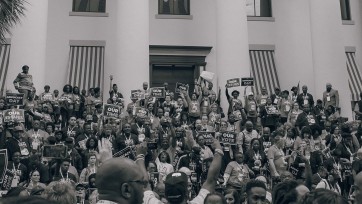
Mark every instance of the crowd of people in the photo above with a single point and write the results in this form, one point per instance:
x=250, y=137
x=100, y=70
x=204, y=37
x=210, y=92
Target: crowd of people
x=280, y=147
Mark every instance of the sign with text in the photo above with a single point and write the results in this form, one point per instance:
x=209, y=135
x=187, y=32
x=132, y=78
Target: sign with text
x=47, y=97
x=126, y=152
x=15, y=99
x=3, y=163
x=14, y=115
x=233, y=82
x=55, y=151
x=208, y=137
x=181, y=87
x=228, y=138
x=135, y=94
x=158, y=92
x=7, y=180
x=208, y=76
x=247, y=81
x=111, y=111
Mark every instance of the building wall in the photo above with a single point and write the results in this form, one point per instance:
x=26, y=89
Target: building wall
x=42, y=41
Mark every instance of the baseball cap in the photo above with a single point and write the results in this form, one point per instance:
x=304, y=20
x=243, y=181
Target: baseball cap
x=251, y=94
x=176, y=187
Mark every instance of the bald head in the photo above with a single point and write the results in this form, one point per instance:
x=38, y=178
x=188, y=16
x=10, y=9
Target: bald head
x=112, y=173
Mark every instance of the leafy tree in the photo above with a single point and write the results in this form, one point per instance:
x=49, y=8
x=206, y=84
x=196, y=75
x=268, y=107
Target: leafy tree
x=11, y=12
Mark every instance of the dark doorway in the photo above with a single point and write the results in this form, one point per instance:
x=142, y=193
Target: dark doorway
x=172, y=74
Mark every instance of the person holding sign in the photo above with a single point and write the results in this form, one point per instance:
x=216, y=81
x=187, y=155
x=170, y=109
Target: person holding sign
x=194, y=105
x=261, y=98
x=24, y=82
x=251, y=108
x=126, y=138
x=232, y=100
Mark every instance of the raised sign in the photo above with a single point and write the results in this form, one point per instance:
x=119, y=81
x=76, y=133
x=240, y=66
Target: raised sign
x=181, y=87
x=208, y=137
x=55, y=151
x=111, y=111
x=233, y=82
x=14, y=115
x=7, y=180
x=228, y=138
x=247, y=81
x=15, y=99
x=126, y=152
x=158, y=92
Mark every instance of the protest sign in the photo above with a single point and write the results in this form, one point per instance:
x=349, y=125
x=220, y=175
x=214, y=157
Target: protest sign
x=180, y=87
x=47, y=97
x=208, y=76
x=55, y=151
x=111, y=111
x=14, y=99
x=3, y=163
x=208, y=137
x=14, y=115
x=228, y=138
x=7, y=180
x=158, y=92
x=247, y=81
x=126, y=152
x=155, y=178
x=233, y=82
x=135, y=94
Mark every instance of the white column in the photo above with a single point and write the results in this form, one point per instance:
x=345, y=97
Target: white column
x=132, y=67
x=28, y=44
x=293, y=44
x=232, y=47
x=329, y=59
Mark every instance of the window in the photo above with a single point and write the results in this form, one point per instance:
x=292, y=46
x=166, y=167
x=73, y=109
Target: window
x=174, y=7
x=89, y=6
x=345, y=10
x=259, y=8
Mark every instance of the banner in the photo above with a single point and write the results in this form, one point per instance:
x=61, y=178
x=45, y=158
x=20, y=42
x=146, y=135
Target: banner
x=14, y=99
x=158, y=92
x=228, y=138
x=208, y=137
x=233, y=82
x=55, y=151
x=7, y=180
x=181, y=87
x=14, y=115
x=111, y=111
x=247, y=81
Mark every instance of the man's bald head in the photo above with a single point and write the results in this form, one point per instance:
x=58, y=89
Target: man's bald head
x=113, y=174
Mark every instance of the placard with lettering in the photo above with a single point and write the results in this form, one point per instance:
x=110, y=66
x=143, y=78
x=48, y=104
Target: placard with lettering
x=233, y=82
x=14, y=115
x=111, y=111
x=3, y=163
x=181, y=87
x=228, y=138
x=7, y=180
x=135, y=94
x=158, y=92
x=47, y=97
x=208, y=137
x=126, y=152
x=15, y=99
x=247, y=81
x=55, y=151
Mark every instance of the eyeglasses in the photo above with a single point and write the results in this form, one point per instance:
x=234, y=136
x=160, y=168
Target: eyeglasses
x=142, y=182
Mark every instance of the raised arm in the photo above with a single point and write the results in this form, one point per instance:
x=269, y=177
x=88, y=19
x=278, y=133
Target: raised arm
x=214, y=169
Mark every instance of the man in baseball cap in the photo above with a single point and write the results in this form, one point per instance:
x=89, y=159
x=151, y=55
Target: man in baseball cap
x=176, y=187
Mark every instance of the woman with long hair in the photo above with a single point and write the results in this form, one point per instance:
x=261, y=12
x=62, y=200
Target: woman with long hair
x=255, y=156
x=34, y=181
x=90, y=169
